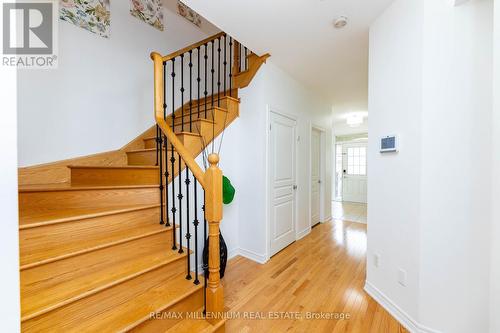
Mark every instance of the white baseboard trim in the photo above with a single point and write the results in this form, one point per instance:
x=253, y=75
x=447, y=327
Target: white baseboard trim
x=260, y=258
x=232, y=253
x=327, y=219
x=406, y=320
x=303, y=233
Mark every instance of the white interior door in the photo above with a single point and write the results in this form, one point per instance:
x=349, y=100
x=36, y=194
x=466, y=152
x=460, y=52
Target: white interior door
x=315, y=176
x=354, y=182
x=282, y=181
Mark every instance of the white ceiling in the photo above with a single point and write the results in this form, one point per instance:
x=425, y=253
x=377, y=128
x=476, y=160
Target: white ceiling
x=300, y=37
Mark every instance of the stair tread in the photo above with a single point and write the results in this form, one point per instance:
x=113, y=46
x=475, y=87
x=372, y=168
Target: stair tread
x=69, y=187
x=121, y=307
x=47, y=287
x=30, y=259
x=38, y=218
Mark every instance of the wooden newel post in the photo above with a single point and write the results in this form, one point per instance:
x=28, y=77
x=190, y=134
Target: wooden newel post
x=213, y=214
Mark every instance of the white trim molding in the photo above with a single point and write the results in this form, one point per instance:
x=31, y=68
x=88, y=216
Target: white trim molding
x=260, y=258
x=301, y=234
x=405, y=319
x=232, y=253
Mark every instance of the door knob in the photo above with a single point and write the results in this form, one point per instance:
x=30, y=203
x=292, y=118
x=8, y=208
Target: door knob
x=319, y=181
x=294, y=187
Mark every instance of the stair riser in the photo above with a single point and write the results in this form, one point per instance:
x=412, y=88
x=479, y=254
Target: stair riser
x=211, y=113
x=53, y=285
x=222, y=104
x=75, y=236
x=149, y=158
x=90, y=312
x=112, y=176
x=87, y=198
x=187, y=305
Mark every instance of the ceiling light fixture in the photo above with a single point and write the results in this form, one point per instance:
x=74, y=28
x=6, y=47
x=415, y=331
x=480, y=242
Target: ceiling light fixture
x=354, y=120
x=340, y=22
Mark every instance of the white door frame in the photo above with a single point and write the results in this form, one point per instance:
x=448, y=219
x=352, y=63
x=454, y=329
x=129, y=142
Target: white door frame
x=322, y=166
x=272, y=109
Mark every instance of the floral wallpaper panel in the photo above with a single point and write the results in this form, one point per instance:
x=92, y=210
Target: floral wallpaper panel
x=149, y=11
x=92, y=15
x=188, y=14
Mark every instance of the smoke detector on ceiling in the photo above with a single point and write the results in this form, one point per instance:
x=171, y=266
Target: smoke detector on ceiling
x=340, y=22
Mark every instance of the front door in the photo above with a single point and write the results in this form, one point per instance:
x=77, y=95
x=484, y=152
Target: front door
x=354, y=181
x=282, y=181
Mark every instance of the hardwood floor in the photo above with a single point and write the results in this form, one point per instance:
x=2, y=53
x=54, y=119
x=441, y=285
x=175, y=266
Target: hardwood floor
x=322, y=273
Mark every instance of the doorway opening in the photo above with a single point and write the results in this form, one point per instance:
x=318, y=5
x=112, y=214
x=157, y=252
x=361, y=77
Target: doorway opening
x=351, y=178
x=317, y=175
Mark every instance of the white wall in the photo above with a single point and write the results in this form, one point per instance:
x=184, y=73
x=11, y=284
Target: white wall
x=101, y=95
x=431, y=83
x=495, y=193
x=9, y=228
x=395, y=94
x=456, y=166
x=276, y=89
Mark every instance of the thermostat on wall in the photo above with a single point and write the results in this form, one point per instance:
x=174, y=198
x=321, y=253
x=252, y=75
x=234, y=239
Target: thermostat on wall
x=388, y=144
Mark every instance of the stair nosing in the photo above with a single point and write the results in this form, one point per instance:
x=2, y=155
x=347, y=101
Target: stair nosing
x=86, y=216
x=126, y=167
x=92, y=249
x=178, y=113
x=163, y=308
x=142, y=150
x=210, y=100
x=102, y=288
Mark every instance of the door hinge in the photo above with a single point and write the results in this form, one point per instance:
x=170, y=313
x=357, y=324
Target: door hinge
x=269, y=126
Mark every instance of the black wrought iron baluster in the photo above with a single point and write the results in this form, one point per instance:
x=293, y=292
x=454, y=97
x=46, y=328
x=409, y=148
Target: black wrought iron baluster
x=159, y=144
x=167, y=219
x=213, y=72
x=190, y=90
x=230, y=66
x=160, y=157
x=246, y=59
x=195, y=223
x=225, y=63
x=180, y=197
x=198, y=82
x=218, y=72
x=206, y=92
x=172, y=161
x=182, y=94
x=239, y=60
x=156, y=143
x=188, y=235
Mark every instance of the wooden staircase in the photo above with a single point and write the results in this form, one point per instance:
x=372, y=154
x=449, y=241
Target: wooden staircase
x=93, y=255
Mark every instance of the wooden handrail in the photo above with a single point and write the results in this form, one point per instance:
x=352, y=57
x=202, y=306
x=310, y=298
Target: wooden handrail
x=166, y=129
x=192, y=46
